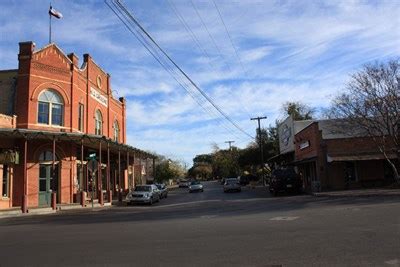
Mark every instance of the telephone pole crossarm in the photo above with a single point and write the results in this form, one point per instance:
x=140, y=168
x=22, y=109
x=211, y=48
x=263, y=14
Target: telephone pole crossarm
x=230, y=142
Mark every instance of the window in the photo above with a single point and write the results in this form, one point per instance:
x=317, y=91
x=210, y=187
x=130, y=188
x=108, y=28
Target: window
x=116, y=131
x=99, y=123
x=80, y=117
x=6, y=181
x=50, y=108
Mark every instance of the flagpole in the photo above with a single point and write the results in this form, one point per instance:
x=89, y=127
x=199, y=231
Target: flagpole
x=50, y=26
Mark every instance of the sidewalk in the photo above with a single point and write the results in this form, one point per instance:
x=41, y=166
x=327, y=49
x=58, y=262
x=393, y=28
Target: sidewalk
x=359, y=193
x=17, y=212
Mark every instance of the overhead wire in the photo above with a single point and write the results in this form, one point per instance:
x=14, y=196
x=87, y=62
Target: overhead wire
x=234, y=48
x=209, y=34
x=168, y=68
x=128, y=14
x=189, y=30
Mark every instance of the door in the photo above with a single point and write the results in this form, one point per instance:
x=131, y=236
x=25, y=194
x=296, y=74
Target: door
x=47, y=183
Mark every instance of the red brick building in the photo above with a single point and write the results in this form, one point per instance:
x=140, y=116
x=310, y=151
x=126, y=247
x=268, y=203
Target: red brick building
x=53, y=115
x=331, y=157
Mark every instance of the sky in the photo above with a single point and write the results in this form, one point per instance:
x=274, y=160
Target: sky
x=248, y=56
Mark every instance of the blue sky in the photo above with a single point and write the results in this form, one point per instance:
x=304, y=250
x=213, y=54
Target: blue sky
x=287, y=51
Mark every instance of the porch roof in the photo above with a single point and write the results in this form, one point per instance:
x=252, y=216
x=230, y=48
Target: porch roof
x=88, y=139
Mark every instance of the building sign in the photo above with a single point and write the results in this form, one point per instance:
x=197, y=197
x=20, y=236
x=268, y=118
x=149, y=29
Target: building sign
x=286, y=136
x=98, y=97
x=304, y=145
x=9, y=157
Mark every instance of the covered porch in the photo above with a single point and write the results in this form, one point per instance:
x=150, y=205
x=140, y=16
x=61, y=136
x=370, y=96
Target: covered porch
x=53, y=168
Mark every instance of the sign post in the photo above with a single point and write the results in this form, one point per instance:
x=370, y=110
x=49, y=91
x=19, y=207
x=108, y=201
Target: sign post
x=92, y=167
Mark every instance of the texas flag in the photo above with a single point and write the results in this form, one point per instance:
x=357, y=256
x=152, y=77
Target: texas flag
x=55, y=13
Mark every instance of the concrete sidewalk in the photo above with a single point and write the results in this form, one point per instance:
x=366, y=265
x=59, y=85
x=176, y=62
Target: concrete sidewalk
x=17, y=212
x=359, y=193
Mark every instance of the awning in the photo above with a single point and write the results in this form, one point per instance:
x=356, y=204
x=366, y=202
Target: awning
x=88, y=139
x=358, y=157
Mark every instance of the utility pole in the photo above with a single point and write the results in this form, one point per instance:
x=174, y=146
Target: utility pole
x=230, y=146
x=261, y=147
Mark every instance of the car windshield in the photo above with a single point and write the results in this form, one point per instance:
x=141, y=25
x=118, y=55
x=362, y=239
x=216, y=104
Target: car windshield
x=231, y=181
x=194, y=182
x=160, y=186
x=143, y=188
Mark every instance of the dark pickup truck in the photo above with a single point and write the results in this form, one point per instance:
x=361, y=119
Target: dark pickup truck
x=285, y=180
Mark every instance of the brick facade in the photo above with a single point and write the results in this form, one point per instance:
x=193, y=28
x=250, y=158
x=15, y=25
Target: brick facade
x=87, y=86
x=339, y=162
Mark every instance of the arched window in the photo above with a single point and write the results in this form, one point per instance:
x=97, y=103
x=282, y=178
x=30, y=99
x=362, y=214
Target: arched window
x=116, y=131
x=50, y=108
x=46, y=155
x=99, y=123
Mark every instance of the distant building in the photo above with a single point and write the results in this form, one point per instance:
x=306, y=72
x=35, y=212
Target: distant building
x=53, y=115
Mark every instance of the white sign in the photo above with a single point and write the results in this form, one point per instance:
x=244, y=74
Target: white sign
x=98, y=97
x=304, y=144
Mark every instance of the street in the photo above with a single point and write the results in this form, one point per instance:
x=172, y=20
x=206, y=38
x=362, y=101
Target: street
x=212, y=228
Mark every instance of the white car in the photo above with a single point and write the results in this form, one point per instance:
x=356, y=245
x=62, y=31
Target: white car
x=232, y=184
x=144, y=194
x=195, y=186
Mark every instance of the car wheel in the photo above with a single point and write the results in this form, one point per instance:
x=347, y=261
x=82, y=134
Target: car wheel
x=151, y=201
x=202, y=190
x=166, y=195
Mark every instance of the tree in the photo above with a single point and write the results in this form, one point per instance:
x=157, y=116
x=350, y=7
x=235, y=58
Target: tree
x=167, y=169
x=299, y=111
x=371, y=101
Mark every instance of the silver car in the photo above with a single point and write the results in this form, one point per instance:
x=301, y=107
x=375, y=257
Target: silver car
x=232, y=184
x=195, y=186
x=144, y=194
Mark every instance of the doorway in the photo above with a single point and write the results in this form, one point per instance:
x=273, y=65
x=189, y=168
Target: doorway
x=48, y=183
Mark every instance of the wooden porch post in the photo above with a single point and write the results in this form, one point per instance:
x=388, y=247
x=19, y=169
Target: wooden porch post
x=83, y=195
x=119, y=176
x=24, y=205
x=109, y=192
x=127, y=166
x=53, y=172
x=100, y=178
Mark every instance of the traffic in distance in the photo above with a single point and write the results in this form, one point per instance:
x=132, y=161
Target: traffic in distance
x=281, y=180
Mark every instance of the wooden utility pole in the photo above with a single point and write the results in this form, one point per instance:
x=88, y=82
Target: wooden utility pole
x=261, y=146
x=230, y=146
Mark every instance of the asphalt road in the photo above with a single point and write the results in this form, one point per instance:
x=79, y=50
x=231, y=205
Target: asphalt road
x=250, y=228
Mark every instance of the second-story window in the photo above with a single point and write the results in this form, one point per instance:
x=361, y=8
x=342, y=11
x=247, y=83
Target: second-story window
x=99, y=123
x=80, y=117
x=50, y=108
x=116, y=131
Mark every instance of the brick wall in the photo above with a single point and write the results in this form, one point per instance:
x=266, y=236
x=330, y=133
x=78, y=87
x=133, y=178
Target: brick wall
x=50, y=68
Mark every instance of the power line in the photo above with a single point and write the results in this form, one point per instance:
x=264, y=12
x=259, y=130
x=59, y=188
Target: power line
x=188, y=29
x=208, y=32
x=164, y=64
x=229, y=36
x=128, y=14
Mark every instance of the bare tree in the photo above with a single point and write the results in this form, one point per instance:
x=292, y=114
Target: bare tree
x=371, y=102
x=299, y=111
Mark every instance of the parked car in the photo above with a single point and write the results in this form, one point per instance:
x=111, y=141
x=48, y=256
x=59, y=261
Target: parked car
x=184, y=183
x=144, y=194
x=232, y=184
x=285, y=180
x=163, y=190
x=246, y=179
x=195, y=186
x=223, y=181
